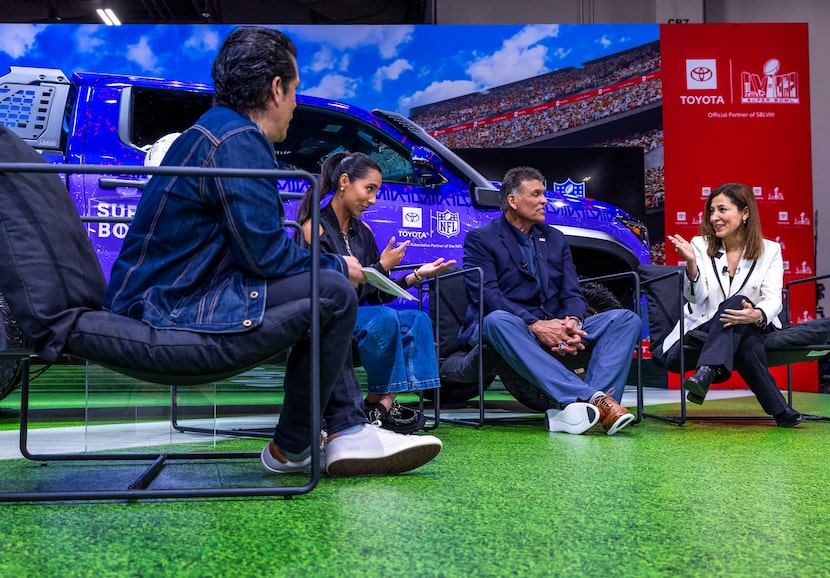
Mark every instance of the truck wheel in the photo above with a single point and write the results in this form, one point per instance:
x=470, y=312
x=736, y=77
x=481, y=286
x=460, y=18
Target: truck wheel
x=527, y=394
x=600, y=298
x=10, y=338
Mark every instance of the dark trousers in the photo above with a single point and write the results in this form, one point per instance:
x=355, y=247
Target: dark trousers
x=739, y=348
x=342, y=405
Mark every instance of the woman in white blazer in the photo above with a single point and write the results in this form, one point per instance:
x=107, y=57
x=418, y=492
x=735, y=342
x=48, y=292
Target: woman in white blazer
x=733, y=287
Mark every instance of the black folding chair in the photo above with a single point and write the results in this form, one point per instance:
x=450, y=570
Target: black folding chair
x=467, y=372
x=53, y=283
x=663, y=287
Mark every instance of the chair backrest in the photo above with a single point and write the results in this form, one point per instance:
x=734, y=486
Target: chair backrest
x=448, y=308
x=49, y=272
x=661, y=286
x=54, y=286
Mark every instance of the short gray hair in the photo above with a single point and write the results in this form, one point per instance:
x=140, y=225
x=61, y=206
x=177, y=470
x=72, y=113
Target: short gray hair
x=513, y=180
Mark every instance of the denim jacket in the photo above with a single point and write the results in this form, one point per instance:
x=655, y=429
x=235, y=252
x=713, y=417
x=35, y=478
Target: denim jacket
x=200, y=250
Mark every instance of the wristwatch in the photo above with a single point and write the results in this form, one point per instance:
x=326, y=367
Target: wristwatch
x=762, y=322
x=578, y=320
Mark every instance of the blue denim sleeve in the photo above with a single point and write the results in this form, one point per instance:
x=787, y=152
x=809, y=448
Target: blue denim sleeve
x=254, y=215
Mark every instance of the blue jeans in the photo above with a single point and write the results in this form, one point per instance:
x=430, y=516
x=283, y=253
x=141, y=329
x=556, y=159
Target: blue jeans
x=397, y=349
x=342, y=401
x=611, y=335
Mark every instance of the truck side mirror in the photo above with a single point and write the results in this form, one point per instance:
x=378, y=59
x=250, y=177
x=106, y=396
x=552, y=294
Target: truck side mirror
x=484, y=198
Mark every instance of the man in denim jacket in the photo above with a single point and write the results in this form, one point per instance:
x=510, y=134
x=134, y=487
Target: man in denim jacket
x=210, y=254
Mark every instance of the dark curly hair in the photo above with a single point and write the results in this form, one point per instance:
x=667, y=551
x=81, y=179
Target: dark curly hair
x=250, y=58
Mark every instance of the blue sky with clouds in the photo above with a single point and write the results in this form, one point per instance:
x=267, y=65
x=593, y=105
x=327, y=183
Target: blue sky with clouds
x=390, y=67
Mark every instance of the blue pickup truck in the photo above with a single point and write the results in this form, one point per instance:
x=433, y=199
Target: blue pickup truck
x=430, y=196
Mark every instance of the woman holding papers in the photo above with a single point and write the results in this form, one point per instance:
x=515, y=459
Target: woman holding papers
x=396, y=347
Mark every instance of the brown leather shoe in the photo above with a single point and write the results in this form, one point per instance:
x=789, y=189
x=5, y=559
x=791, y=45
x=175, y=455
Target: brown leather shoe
x=612, y=415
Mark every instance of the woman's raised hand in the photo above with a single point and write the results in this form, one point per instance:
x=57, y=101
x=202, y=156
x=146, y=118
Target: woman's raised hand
x=683, y=248
x=392, y=255
x=435, y=268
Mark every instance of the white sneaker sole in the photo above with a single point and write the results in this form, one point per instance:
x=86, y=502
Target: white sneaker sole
x=380, y=462
x=280, y=468
x=285, y=468
x=576, y=418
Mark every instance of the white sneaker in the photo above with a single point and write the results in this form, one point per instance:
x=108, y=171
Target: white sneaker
x=275, y=461
x=376, y=451
x=576, y=418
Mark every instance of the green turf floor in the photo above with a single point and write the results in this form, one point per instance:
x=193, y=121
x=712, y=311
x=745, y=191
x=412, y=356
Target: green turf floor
x=706, y=499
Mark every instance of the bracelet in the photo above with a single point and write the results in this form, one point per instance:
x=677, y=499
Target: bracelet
x=418, y=277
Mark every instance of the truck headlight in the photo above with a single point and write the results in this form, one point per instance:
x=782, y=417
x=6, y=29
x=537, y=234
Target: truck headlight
x=635, y=226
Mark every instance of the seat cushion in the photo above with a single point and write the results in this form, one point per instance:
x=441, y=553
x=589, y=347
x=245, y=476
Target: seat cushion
x=49, y=272
x=178, y=357
x=462, y=366
x=814, y=332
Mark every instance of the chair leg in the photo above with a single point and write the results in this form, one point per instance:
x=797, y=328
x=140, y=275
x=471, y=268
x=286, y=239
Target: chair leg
x=140, y=488
x=236, y=432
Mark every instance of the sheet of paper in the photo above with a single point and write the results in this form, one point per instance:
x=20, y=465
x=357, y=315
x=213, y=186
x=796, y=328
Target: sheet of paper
x=385, y=284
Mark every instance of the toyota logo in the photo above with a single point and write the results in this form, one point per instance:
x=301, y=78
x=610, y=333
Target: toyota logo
x=701, y=73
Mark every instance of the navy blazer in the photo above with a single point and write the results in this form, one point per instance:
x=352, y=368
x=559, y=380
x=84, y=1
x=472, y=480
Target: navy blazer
x=508, y=283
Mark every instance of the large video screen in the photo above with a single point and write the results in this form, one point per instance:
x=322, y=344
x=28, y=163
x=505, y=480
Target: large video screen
x=611, y=174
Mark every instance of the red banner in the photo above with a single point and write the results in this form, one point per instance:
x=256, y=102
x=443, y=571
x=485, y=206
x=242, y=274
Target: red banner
x=736, y=108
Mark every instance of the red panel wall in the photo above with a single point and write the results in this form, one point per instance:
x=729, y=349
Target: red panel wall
x=736, y=108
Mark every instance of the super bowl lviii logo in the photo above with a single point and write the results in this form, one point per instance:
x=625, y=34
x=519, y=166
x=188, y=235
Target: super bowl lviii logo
x=771, y=86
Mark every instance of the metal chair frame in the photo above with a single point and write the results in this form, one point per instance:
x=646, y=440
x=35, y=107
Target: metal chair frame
x=263, y=433
x=140, y=488
x=482, y=417
x=774, y=357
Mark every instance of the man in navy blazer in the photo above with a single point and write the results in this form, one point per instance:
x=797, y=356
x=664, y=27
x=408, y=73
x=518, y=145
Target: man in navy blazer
x=535, y=311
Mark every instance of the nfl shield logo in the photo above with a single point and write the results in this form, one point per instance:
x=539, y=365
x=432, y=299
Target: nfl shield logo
x=449, y=223
x=570, y=188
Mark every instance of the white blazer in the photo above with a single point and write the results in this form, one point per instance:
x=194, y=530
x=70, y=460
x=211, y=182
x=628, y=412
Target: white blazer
x=712, y=286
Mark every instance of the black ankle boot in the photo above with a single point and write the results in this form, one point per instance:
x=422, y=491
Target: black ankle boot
x=788, y=418
x=698, y=384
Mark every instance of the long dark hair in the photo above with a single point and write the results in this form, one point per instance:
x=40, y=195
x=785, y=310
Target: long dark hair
x=353, y=165
x=250, y=58
x=744, y=198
